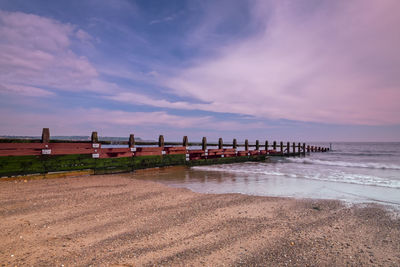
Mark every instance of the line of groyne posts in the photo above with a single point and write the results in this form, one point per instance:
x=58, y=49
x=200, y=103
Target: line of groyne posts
x=289, y=149
x=30, y=156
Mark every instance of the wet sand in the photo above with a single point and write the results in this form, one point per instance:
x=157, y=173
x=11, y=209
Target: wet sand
x=117, y=220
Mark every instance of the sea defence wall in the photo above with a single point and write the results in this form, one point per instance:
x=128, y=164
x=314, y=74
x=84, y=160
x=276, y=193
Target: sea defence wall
x=43, y=156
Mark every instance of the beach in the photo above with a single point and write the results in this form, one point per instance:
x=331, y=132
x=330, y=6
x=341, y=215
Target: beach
x=125, y=220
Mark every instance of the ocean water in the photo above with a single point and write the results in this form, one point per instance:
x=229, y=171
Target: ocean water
x=352, y=172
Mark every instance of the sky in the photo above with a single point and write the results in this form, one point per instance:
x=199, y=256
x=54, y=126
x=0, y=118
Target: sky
x=309, y=70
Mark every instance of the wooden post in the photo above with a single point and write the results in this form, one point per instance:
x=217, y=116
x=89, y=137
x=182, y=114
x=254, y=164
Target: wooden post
x=161, y=141
x=95, y=138
x=266, y=145
x=204, y=143
x=304, y=149
x=274, y=146
x=308, y=148
x=234, y=143
x=131, y=142
x=220, y=143
x=294, y=148
x=185, y=141
x=246, y=145
x=257, y=145
x=288, y=148
x=299, y=149
x=312, y=148
x=281, y=147
x=45, y=135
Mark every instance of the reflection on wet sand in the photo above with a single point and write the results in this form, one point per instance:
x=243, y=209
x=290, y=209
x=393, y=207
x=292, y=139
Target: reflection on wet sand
x=265, y=184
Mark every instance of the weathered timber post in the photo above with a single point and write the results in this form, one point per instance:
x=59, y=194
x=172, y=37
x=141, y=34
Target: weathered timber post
x=299, y=149
x=294, y=148
x=185, y=141
x=204, y=144
x=312, y=148
x=304, y=149
x=94, y=138
x=319, y=149
x=234, y=143
x=257, y=145
x=274, y=146
x=45, y=135
x=246, y=145
x=161, y=141
x=288, y=148
x=281, y=147
x=266, y=145
x=308, y=148
x=220, y=143
x=131, y=142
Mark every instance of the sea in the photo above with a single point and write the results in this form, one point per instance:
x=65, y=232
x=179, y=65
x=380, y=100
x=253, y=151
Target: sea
x=351, y=172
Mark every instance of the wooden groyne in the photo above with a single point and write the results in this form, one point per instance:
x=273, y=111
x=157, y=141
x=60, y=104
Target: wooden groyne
x=21, y=156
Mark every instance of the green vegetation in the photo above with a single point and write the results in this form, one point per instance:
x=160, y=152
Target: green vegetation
x=22, y=165
x=225, y=160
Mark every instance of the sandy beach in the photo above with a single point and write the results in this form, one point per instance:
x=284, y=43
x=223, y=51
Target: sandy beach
x=120, y=221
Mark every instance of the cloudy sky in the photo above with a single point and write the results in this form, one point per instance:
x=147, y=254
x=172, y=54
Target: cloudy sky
x=308, y=70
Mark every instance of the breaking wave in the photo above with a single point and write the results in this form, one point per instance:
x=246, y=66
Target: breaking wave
x=339, y=177
x=369, y=165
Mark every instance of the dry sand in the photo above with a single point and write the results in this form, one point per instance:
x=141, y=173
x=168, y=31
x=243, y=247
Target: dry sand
x=115, y=220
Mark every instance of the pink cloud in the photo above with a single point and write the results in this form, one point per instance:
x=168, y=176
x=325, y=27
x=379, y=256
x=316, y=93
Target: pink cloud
x=114, y=122
x=336, y=64
x=35, y=51
x=24, y=90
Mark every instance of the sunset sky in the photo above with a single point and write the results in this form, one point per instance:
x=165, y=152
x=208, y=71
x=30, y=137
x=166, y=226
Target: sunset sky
x=309, y=70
